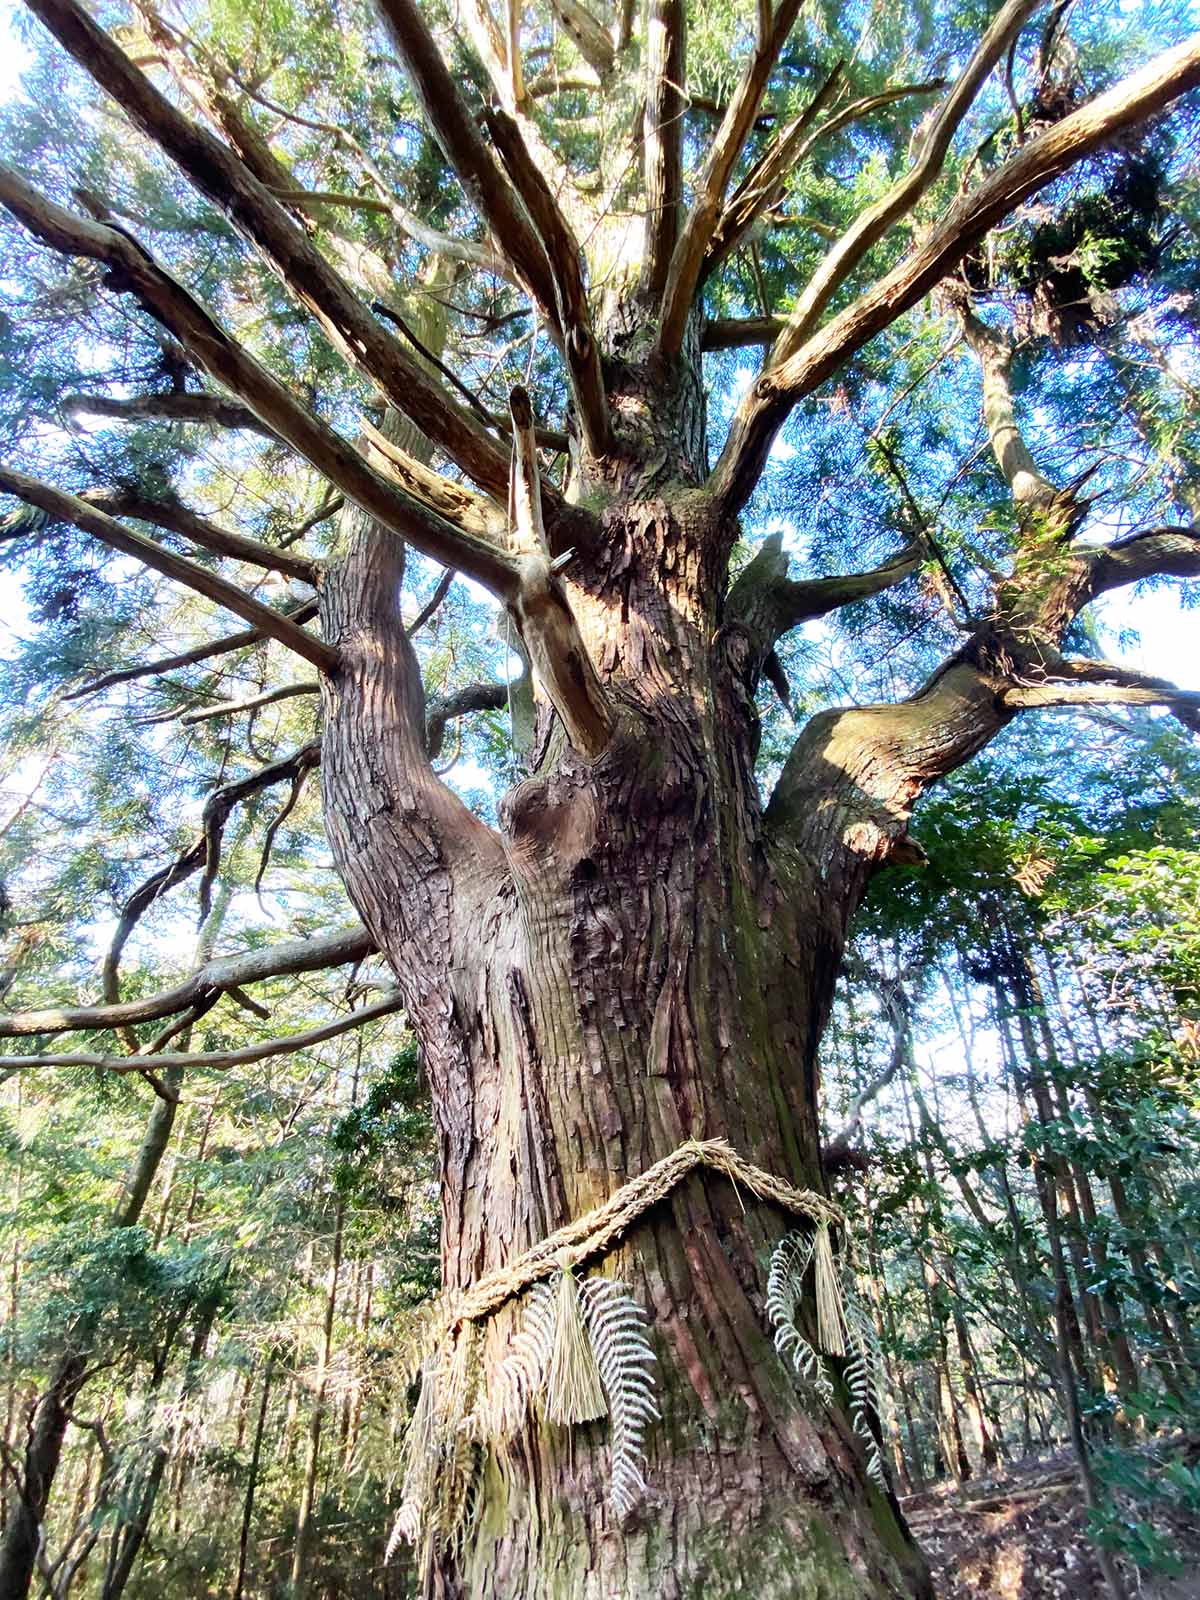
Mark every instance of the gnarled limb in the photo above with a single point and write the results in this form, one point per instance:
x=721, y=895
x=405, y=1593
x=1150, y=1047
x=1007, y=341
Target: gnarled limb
x=687, y=257
x=214, y=978
x=475, y=697
x=848, y=786
x=132, y=270
x=204, y=852
x=1170, y=552
x=175, y=407
x=540, y=610
x=225, y=179
x=215, y=1060
x=662, y=146
x=70, y=508
x=1042, y=159
x=765, y=603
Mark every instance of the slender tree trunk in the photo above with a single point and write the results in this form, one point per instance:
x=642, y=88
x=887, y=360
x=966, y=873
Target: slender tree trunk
x=252, y=1477
x=302, y=1551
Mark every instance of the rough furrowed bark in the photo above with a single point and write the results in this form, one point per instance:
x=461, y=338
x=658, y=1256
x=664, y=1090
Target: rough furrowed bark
x=628, y=963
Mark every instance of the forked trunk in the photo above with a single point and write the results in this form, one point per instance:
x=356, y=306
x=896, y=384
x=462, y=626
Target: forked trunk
x=632, y=961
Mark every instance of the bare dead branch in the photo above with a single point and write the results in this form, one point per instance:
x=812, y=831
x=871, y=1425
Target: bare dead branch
x=460, y=506
x=687, y=257
x=215, y=978
x=216, y=1060
x=587, y=35
x=540, y=609
x=662, y=146
x=70, y=508
x=1038, y=162
x=201, y=853
x=231, y=708
x=431, y=605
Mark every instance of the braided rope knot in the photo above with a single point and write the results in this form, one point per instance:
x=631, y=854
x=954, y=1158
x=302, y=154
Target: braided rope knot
x=598, y=1230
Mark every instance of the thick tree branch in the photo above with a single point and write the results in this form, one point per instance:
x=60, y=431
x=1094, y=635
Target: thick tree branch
x=456, y=131
x=764, y=184
x=733, y=333
x=662, y=146
x=70, y=508
x=579, y=346
x=993, y=351
x=133, y=271
x=173, y=515
x=687, y=258
x=207, y=983
x=765, y=603
x=178, y=407
x=540, y=609
x=1095, y=683
x=189, y=658
x=215, y=1060
x=872, y=224
x=1043, y=158
x=226, y=180
x=1158, y=552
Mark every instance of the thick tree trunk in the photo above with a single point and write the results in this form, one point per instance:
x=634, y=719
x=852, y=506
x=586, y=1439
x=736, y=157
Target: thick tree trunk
x=630, y=964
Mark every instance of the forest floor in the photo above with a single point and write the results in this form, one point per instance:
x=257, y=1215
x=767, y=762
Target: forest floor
x=1020, y=1535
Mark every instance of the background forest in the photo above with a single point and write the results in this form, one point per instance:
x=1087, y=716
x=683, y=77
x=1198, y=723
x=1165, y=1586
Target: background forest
x=234, y=1249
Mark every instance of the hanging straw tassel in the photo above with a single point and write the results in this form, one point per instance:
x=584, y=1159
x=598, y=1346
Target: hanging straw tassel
x=831, y=1315
x=573, y=1390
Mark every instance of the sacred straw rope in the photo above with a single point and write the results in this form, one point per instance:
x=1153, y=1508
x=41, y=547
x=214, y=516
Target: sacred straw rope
x=597, y=1230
